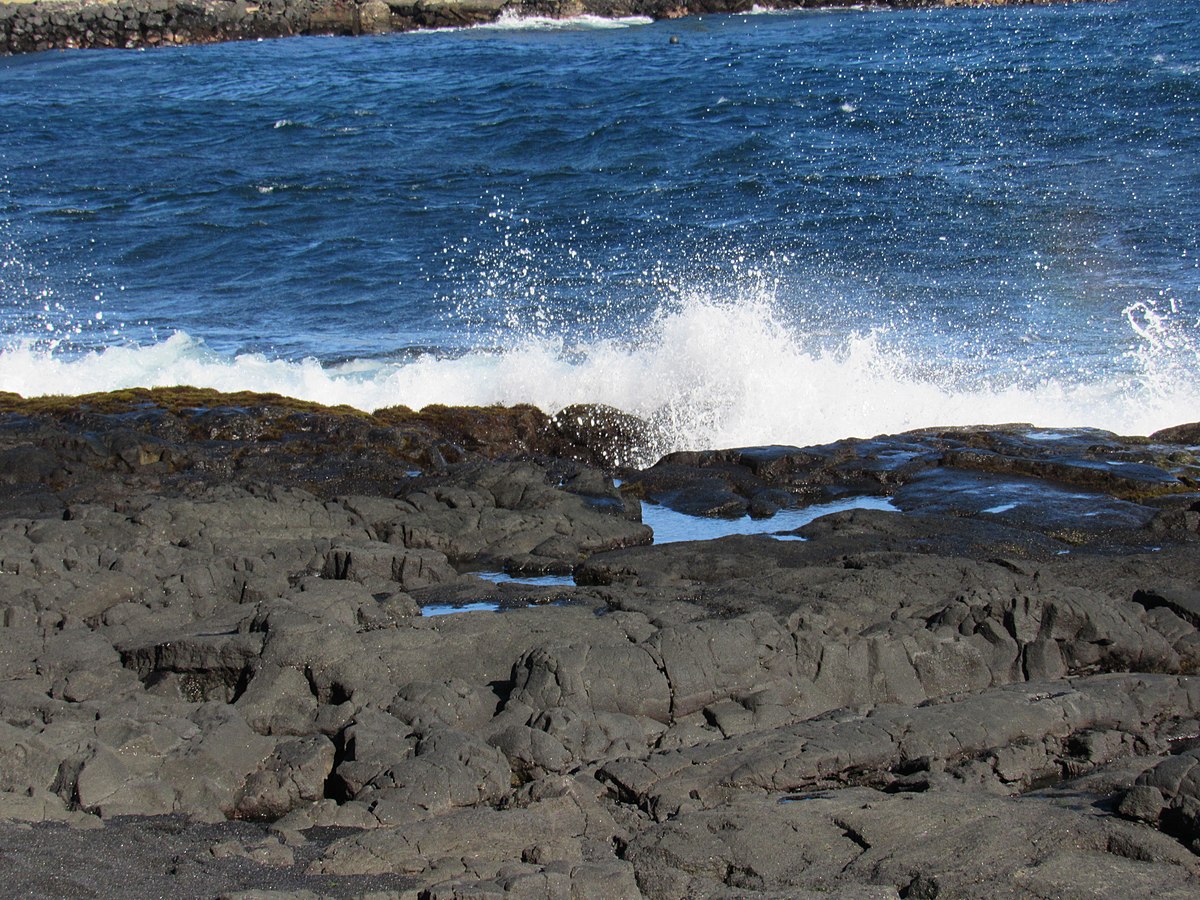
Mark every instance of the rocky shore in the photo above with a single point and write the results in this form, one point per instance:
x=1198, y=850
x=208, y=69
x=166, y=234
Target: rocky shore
x=221, y=675
x=60, y=24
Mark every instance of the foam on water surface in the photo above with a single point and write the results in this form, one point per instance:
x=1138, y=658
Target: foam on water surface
x=784, y=230
x=704, y=372
x=511, y=20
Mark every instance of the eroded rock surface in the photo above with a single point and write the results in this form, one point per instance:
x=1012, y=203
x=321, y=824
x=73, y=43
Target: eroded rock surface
x=215, y=656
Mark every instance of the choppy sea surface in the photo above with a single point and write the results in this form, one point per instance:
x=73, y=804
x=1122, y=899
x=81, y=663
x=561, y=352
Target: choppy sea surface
x=783, y=228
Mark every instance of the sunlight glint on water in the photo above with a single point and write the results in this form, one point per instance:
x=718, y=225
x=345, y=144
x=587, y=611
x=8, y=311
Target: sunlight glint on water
x=782, y=229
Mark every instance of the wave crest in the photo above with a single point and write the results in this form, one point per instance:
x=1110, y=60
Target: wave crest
x=513, y=20
x=705, y=372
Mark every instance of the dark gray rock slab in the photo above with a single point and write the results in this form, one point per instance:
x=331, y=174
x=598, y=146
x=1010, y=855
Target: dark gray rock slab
x=849, y=714
x=1168, y=796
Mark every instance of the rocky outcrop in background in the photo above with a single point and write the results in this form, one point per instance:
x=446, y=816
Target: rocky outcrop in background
x=60, y=24
x=57, y=24
x=219, y=672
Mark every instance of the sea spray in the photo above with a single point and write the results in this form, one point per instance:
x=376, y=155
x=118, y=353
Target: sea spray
x=705, y=372
x=788, y=228
x=512, y=20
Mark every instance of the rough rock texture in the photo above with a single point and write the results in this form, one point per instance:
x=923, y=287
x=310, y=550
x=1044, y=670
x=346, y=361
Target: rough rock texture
x=62, y=24
x=216, y=675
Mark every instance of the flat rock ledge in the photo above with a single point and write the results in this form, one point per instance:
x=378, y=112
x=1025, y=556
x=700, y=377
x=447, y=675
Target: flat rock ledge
x=61, y=24
x=221, y=674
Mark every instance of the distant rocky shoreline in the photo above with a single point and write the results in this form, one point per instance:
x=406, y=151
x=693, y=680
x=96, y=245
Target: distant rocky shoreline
x=62, y=24
x=220, y=675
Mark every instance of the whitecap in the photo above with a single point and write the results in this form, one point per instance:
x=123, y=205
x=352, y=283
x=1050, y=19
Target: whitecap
x=707, y=372
x=511, y=20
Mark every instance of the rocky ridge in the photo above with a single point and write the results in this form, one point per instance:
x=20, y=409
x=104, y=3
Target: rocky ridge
x=63, y=24
x=217, y=657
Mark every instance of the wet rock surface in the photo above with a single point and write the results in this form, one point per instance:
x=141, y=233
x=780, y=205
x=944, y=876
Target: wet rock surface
x=221, y=674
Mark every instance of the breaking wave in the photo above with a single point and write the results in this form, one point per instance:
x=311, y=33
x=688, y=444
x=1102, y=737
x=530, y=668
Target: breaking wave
x=510, y=20
x=707, y=372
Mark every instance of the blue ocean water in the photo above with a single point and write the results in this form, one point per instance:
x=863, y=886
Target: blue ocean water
x=782, y=228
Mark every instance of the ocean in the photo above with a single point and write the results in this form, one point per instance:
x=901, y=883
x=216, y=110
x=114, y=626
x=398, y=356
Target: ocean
x=778, y=228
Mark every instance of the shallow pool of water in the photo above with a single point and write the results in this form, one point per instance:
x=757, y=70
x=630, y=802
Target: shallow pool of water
x=671, y=526
x=535, y=580
x=446, y=609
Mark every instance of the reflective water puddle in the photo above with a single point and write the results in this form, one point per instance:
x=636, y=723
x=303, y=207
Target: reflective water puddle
x=445, y=609
x=670, y=526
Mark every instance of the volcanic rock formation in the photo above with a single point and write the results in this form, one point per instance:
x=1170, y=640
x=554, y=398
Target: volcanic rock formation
x=217, y=676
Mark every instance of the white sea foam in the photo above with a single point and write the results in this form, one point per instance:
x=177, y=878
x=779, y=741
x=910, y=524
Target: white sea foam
x=708, y=373
x=511, y=20
x=758, y=10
